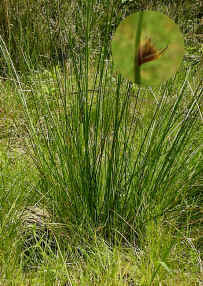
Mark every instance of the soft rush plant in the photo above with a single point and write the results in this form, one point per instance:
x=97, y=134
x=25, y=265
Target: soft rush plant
x=101, y=173
x=92, y=174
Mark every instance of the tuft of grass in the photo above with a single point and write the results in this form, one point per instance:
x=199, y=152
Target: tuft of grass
x=95, y=174
x=117, y=168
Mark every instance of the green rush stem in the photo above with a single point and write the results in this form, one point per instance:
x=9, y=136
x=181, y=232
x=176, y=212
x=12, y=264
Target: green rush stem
x=137, y=43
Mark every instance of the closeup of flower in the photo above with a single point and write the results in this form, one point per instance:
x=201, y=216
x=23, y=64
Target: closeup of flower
x=147, y=52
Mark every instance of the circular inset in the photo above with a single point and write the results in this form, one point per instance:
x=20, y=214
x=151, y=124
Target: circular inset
x=147, y=48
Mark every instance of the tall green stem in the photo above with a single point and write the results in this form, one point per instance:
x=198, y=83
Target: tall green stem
x=137, y=44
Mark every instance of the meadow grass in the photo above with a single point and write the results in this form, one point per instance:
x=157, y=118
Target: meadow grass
x=117, y=166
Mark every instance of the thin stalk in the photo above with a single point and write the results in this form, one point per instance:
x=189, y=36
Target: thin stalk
x=137, y=44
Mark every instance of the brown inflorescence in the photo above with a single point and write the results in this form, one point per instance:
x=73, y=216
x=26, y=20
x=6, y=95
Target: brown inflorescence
x=147, y=52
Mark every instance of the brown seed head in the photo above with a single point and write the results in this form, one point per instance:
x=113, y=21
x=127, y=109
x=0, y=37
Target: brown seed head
x=147, y=52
